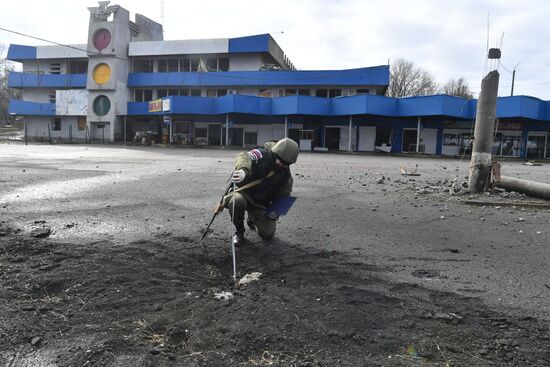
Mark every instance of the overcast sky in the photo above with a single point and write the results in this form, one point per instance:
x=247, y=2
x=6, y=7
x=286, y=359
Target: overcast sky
x=447, y=38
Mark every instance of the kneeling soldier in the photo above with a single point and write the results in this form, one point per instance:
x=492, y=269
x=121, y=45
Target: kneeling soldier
x=267, y=171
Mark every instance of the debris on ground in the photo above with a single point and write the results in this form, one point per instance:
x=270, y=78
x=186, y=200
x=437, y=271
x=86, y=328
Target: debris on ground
x=106, y=303
x=248, y=278
x=406, y=172
x=41, y=232
x=532, y=163
x=223, y=295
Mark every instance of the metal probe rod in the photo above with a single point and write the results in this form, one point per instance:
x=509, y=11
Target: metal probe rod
x=232, y=241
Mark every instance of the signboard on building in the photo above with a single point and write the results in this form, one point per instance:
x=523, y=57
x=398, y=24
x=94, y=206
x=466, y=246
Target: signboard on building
x=71, y=102
x=509, y=125
x=167, y=119
x=155, y=106
x=166, y=105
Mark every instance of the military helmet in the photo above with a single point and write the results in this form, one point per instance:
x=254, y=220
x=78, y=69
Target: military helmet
x=287, y=150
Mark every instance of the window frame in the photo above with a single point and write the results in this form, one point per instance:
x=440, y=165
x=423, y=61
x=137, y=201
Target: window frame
x=56, y=124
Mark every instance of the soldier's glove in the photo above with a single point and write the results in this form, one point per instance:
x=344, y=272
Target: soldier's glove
x=272, y=215
x=238, y=176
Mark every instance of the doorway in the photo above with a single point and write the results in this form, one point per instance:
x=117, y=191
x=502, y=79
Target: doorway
x=409, y=141
x=536, y=144
x=383, y=139
x=214, y=134
x=294, y=134
x=236, y=136
x=332, y=138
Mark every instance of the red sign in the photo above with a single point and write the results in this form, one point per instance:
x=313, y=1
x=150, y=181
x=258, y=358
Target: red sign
x=155, y=106
x=507, y=125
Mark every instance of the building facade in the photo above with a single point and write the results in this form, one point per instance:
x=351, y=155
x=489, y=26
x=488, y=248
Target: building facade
x=128, y=84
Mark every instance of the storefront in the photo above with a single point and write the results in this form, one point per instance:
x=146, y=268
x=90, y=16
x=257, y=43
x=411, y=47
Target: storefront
x=507, y=139
x=537, y=144
x=456, y=142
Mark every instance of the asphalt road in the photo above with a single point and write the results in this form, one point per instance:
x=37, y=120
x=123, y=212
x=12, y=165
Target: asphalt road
x=409, y=227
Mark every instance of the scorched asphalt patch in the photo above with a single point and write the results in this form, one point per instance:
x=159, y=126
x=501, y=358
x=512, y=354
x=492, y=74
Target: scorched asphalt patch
x=153, y=303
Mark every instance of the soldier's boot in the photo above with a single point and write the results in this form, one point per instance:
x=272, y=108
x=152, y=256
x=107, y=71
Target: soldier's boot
x=250, y=223
x=238, y=238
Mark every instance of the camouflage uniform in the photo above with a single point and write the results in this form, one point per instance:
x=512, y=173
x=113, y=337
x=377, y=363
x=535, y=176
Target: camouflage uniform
x=258, y=163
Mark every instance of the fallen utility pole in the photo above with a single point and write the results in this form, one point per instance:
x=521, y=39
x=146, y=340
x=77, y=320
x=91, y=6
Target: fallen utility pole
x=528, y=204
x=531, y=188
x=480, y=164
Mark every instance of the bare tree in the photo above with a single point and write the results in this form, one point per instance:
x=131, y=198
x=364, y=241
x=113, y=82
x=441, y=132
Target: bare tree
x=457, y=88
x=6, y=93
x=408, y=80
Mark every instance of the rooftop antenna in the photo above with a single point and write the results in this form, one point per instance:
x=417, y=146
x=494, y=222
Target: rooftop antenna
x=162, y=14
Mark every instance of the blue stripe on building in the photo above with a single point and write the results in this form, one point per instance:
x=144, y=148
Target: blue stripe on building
x=17, y=107
x=430, y=106
x=28, y=80
x=21, y=52
x=378, y=75
x=427, y=106
x=257, y=43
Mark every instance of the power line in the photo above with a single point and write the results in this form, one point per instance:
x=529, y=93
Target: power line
x=61, y=44
x=150, y=62
x=504, y=67
x=137, y=59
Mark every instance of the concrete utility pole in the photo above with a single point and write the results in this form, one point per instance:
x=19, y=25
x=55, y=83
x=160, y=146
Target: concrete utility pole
x=480, y=164
x=531, y=188
x=513, y=78
x=349, y=132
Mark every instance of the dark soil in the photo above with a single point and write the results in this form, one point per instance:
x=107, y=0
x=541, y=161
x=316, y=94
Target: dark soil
x=152, y=303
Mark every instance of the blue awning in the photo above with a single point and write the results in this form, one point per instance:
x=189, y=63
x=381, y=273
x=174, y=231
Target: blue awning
x=424, y=106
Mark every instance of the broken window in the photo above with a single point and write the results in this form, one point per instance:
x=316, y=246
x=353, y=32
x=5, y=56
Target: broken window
x=321, y=93
x=138, y=95
x=143, y=66
x=143, y=95
x=383, y=136
x=212, y=64
x=185, y=65
x=162, y=66
x=265, y=93
x=223, y=64
x=363, y=91
x=172, y=92
x=303, y=92
x=334, y=93
x=195, y=92
x=201, y=136
x=162, y=93
x=147, y=95
x=201, y=132
x=306, y=134
x=535, y=145
x=78, y=67
x=221, y=92
x=56, y=124
x=195, y=64
x=173, y=65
